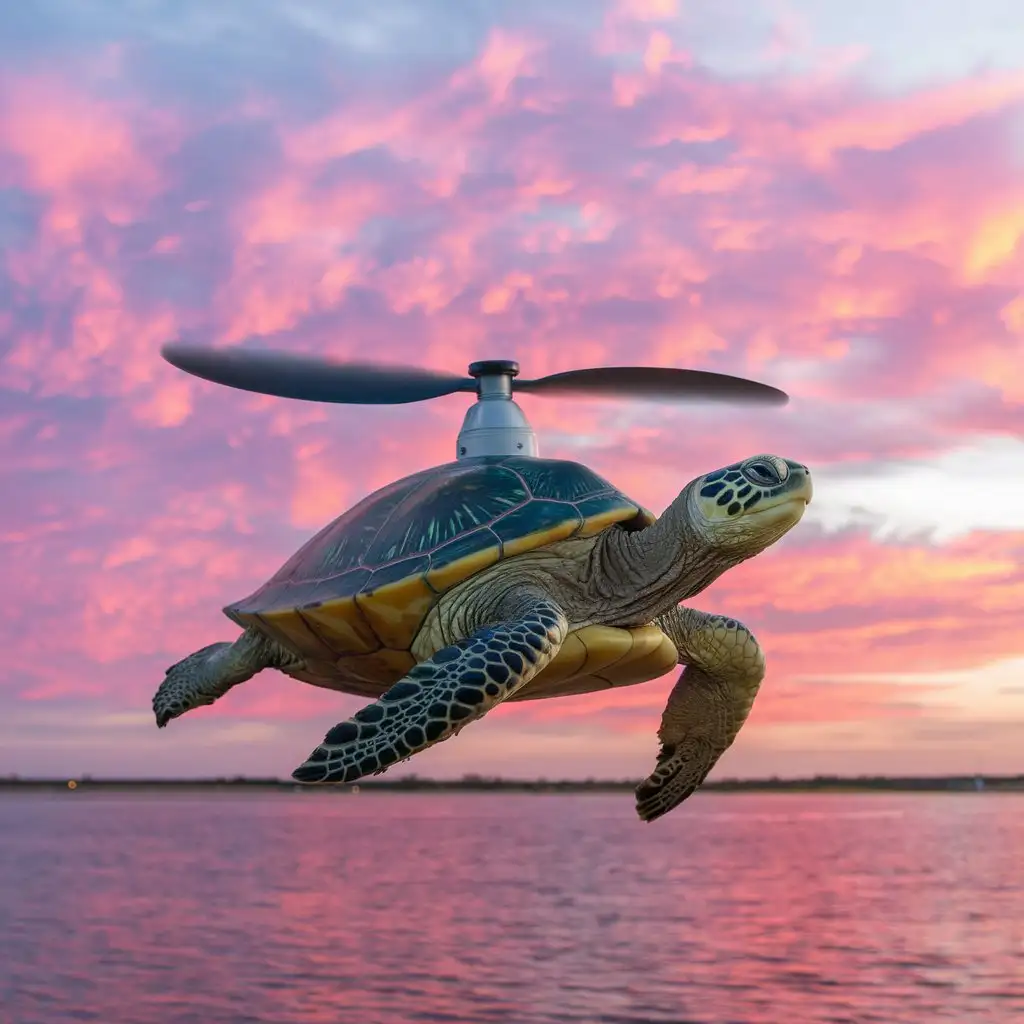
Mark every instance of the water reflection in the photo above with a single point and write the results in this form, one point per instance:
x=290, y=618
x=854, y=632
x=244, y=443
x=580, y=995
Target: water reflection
x=514, y=908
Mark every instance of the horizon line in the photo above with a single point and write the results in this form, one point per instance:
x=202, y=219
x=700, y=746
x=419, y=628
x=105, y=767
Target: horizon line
x=970, y=780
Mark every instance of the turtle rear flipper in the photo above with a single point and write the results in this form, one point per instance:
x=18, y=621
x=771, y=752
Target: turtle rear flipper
x=210, y=672
x=441, y=695
x=190, y=683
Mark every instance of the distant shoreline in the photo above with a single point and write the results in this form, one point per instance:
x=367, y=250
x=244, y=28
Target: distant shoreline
x=475, y=783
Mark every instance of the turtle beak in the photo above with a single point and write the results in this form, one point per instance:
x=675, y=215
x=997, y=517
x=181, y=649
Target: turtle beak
x=805, y=486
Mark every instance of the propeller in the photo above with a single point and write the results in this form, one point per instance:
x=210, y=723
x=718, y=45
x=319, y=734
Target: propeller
x=323, y=380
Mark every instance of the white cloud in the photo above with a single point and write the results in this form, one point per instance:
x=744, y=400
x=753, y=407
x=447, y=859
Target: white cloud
x=980, y=487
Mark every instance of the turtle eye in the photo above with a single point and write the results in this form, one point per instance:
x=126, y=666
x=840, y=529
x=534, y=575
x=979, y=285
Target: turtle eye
x=763, y=472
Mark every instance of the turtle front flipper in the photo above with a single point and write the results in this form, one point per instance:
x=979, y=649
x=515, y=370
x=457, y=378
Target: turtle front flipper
x=441, y=695
x=706, y=708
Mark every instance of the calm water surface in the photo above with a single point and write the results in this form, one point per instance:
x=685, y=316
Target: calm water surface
x=527, y=909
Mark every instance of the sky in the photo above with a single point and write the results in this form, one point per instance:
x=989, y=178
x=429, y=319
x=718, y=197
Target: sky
x=825, y=196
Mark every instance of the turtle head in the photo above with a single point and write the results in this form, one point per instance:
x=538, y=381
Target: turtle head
x=716, y=521
x=744, y=508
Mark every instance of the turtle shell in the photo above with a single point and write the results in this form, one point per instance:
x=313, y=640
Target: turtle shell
x=353, y=598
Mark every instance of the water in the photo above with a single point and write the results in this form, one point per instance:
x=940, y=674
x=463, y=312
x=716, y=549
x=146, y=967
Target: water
x=527, y=909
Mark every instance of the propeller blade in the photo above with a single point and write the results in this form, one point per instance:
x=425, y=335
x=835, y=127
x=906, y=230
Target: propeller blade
x=311, y=378
x=654, y=382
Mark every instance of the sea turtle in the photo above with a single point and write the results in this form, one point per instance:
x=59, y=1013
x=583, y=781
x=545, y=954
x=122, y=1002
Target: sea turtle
x=510, y=578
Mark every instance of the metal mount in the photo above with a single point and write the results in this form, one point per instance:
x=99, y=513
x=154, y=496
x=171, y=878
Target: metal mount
x=494, y=424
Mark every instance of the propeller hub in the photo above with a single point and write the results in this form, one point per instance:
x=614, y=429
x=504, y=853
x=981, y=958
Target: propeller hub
x=494, y=424
x=490, y=367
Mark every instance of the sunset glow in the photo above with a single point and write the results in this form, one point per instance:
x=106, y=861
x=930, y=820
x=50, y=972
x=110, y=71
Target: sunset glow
x=800, y=200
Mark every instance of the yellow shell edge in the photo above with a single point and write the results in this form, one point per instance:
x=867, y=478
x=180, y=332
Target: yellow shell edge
x=615, y=657
x=396, y=611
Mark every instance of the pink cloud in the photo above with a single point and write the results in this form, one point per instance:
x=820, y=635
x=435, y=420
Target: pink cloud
x=543, y=198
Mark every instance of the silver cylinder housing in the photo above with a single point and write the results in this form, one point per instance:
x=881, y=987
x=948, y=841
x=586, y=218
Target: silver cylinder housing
x=494, y=424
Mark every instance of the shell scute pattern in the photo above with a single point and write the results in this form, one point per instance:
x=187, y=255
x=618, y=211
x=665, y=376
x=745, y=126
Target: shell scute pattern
x=395, y=571
x=344, y=543
x=445, y=507
x=365, y=582
x=515, y=530
x=548, y=478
